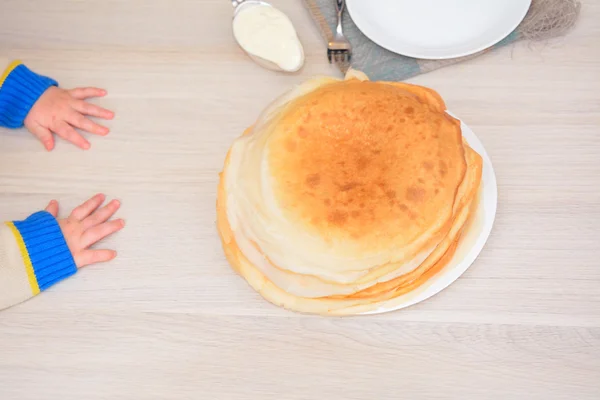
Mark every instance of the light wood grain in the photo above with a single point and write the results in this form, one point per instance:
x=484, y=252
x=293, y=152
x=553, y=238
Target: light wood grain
x=169, y=320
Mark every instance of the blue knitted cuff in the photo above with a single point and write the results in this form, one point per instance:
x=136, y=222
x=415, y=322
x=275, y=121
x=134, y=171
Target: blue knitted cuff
x=19, y=92
x=48, y=251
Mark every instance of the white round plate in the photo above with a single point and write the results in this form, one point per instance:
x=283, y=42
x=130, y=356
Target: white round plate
x=472, y=241
x=437, y=29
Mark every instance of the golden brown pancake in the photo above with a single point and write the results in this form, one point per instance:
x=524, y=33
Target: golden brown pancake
x=366, y=165
x=376, y=295
x=346, y=194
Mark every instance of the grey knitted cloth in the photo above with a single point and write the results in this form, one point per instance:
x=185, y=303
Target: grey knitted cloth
x=546, y=19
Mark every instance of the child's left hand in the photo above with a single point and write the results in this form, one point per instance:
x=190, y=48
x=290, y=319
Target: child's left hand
x=59, y=111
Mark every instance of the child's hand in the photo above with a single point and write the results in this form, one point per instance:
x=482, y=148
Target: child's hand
x=59, y=111
x=88, y=225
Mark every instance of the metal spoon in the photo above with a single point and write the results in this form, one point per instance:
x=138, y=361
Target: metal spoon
x=240, y=5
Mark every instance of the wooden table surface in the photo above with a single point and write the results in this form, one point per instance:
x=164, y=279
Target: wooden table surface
x=170, y=320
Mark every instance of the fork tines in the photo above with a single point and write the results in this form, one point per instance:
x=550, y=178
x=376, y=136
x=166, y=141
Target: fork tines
x=339, y=56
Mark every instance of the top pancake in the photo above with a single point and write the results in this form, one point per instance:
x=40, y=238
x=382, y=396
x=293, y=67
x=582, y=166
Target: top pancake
x=367, y=166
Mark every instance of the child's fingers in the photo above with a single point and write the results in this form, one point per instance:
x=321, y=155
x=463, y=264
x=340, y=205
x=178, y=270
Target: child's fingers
x=52, y=208
x=89, y=257
x=66, y=131
x=81, y=122
x=44, y=135
x=87, y=92
x=83, y=211
x=99, y=232
x=102, y=215
x=92, y=110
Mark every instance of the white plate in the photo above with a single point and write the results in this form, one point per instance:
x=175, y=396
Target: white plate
x=437, y=29
x=470, y=244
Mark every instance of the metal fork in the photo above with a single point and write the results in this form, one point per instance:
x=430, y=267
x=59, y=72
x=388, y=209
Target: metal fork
x=339, y=49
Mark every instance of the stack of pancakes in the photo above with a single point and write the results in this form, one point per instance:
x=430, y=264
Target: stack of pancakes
x=347, y=195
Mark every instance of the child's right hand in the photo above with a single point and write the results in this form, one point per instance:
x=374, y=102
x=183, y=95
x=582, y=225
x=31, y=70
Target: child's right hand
x=87, y=225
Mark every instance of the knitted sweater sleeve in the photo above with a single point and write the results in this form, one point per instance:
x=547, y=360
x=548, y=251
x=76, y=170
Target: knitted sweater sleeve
x=33, y=253
x=33, y=256
x=19, y=90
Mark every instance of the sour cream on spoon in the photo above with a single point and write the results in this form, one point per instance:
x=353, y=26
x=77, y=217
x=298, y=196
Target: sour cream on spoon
x=267, y=35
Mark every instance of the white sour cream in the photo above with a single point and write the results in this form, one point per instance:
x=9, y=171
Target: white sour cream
x=265, y=32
